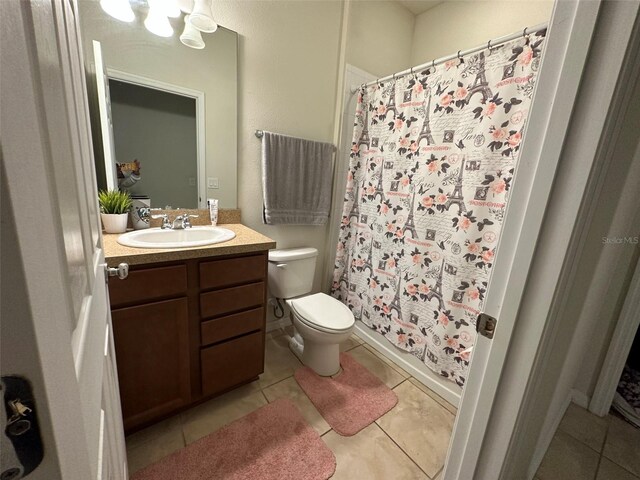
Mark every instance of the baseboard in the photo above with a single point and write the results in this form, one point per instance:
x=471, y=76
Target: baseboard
x=546, y=435
x=451, y=393
x=580, y=399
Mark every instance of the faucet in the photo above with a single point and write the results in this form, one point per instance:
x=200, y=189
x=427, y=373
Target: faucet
x=180, y=222
x=165, y=221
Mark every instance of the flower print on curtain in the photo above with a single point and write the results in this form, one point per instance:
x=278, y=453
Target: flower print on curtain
x=431, y=167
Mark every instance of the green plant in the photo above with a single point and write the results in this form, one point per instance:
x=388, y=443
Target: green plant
x=114, y=201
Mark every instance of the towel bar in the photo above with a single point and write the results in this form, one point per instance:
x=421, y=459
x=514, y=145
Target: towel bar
x=260, y=134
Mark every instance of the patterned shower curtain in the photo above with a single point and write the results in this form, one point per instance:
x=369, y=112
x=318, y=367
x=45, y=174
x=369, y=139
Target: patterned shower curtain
x=431, y=166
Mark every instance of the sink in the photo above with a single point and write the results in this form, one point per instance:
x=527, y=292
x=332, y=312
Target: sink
x=189, y=237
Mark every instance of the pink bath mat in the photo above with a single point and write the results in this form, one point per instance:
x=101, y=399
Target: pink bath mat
x=351, y=401
x=272, y=443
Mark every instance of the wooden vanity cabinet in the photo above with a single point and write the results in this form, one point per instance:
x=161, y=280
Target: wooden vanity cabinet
x=187, y=331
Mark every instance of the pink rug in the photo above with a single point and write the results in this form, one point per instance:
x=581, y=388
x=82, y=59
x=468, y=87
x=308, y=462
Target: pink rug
x=352, y=400
x=272, y=443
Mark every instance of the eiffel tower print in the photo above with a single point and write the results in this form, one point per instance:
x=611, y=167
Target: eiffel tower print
x=456, y=197
x=379, y=188
x=355, y=207
x=425, y=132
x=436, y=291
x=395, y=303
x=410, y=226
x=391, y=105
x=480, y=84
x=368, y=264
x=364, y=136
x=344, y=278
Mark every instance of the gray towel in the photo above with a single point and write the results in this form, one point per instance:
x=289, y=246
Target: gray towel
x=296, y=180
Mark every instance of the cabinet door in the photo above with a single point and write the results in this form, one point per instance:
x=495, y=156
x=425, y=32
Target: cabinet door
x=152, y=351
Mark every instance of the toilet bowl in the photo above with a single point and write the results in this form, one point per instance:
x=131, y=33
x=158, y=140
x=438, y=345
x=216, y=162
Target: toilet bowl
x=321, y=322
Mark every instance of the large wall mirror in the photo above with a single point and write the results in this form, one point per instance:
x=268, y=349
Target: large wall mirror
x=164, y=115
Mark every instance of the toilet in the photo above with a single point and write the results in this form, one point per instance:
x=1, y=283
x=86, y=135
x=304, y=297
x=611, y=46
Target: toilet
x=321, y=322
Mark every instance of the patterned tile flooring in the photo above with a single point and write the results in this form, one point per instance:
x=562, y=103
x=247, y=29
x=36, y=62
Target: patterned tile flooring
x=588, y=447
x=396, y=446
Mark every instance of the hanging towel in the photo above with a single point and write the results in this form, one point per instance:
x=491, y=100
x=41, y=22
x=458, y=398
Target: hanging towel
x=296, y=180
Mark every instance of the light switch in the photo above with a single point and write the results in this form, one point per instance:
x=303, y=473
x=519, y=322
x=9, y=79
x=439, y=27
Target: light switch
x=212, y=182
x=192, y=181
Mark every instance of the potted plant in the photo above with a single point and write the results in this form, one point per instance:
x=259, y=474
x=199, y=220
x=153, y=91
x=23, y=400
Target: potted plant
x=114, y=210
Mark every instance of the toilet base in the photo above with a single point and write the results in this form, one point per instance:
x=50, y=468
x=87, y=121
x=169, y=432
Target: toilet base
x=324, y=359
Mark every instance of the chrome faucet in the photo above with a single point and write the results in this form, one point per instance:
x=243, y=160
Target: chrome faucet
x=165, y=221
x=182, y=221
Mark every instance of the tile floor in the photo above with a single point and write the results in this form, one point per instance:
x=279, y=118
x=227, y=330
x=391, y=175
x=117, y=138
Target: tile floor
x=587, y=447
x=396, y=446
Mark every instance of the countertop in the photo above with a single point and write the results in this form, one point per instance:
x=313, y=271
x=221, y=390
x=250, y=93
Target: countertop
x=245, y=241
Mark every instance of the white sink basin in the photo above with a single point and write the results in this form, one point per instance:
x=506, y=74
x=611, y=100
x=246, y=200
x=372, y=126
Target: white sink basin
x=189, y=237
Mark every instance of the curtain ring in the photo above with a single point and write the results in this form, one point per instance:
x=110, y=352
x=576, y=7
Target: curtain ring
x=524, y=32
x=489, y=45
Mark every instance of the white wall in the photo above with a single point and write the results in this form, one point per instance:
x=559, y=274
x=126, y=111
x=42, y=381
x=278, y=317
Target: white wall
x=459, y=25
x=288, y=71
x=130, y=48
x=379, y=36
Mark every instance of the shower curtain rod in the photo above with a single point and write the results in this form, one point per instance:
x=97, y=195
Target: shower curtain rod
x=490, y=44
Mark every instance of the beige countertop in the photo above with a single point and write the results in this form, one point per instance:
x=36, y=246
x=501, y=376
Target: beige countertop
x=245, y=241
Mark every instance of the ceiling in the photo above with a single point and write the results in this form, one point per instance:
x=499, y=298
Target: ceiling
x=419, y=6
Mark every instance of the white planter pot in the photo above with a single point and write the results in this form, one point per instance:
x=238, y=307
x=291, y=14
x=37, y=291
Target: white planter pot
x=114, y=222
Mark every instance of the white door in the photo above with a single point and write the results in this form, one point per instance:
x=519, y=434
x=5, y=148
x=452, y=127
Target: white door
x=56, y=322
x=568, y=39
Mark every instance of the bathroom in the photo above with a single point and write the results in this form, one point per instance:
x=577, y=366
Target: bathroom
x=296, y=68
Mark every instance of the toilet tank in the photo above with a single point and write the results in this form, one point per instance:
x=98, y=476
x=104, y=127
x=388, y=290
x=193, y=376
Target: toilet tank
x=291, y=271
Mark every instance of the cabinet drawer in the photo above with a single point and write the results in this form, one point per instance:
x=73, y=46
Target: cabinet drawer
x=148, y=284
x=230, y=300
x=232, y=271
x=214, y=331
x=232, y=363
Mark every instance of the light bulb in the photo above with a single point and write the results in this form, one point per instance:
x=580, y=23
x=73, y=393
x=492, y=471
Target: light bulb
x=170, y=8
x=158, y=23
x=118, y=9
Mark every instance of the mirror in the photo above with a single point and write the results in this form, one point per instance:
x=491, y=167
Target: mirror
x=164, y=115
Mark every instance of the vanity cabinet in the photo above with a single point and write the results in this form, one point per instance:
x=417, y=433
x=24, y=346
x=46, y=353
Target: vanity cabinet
x=187, y=331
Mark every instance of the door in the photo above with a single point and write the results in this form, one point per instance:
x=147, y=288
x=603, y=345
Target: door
x=568, y=39
x=56, y=324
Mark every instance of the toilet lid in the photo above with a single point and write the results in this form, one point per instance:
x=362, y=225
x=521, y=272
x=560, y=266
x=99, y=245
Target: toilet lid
x=321, y=310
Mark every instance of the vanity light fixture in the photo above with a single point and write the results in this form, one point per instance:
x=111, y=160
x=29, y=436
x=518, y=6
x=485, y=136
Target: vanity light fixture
x=170, y=8
x=191, y=36
x=185, y=5
x=202, y=16
x=157, y=21
x=118, y=9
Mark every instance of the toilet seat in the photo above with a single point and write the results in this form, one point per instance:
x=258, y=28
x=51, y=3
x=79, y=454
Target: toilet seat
x=322, y=312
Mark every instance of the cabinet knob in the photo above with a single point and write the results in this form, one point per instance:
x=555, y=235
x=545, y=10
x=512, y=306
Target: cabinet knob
x=121, y=271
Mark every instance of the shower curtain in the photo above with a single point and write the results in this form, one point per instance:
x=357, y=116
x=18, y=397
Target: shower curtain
x=431, y=166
